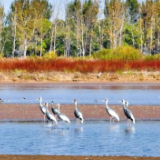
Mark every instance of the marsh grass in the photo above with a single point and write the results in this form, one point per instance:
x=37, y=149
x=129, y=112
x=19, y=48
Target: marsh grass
x=17, y=66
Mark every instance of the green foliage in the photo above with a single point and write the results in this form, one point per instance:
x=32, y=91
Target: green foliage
x=1, y=55
x=152, y=57
x=132, y=36
x=123, y=52
x=50, y=55
x=128, y=53
x=106, y=54
x=133, y=6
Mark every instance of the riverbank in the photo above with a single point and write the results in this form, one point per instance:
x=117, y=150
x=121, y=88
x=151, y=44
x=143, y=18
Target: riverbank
x=53, y=77
x=31, y=112
x=39, y=157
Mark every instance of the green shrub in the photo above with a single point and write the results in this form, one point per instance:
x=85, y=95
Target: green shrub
x=1, y=55
x=50, y=55
x=127, y=53
x=152, y=57
x=106, y=54
x=122, y=52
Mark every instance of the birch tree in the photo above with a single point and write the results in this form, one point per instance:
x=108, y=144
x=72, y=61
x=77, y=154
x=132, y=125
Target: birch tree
x=90, y=11
x=115, y=15
x=1, y=25
x=55, y=14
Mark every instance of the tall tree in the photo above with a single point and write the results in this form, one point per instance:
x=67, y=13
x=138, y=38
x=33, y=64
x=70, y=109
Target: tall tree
x=26, y=20
x=115, y=15
x=133, y=9
x=90, y=12
x=1, y=25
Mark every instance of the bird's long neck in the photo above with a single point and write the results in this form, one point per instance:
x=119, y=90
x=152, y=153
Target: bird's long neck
x=124, y=106
x=40, y=101
x=47, y=107
x=75, y=105
x=59, y=108
x=106, y=105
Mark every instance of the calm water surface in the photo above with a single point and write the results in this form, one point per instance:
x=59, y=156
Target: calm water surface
x=91, y=138
x=136, y=94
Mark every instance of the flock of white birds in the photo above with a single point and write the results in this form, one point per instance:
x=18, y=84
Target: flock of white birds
x=51, y=116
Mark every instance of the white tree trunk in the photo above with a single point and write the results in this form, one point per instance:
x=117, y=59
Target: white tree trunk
x=25, y=48
x=55, y=36
x=14, y=36
x=41, y=48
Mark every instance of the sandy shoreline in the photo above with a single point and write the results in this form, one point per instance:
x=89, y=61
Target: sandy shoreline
x=39, y=157
x=31, y=112
x=54, y=77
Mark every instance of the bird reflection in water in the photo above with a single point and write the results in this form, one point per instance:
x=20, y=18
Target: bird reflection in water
x=114, y=127
x=79, y=129
x=129, y=129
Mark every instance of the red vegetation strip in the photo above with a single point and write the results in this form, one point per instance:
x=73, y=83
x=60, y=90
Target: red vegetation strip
x=77, y=65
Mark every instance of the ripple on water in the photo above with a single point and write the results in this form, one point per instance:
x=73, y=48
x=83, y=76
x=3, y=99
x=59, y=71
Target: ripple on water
x=91, y=138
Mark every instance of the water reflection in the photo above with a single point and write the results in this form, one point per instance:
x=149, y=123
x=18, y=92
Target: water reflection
x=91, y=138
x=130, y=129
x=114, y=127
x=79, y=129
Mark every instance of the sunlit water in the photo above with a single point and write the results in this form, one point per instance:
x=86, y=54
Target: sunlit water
x=136, y=94
x=91, y=138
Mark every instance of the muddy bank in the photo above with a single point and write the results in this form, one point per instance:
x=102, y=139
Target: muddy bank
x=38, y=157
x=31, y=112
x=129, y=76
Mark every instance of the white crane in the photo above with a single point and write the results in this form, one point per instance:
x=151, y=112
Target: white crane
x=61, y=116
x=111, y=112
x=50, y=116
x=42, y=108
x=77, y=113
x=55, y=111
x=127, y=112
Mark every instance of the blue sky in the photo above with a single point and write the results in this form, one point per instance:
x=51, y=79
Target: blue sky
x=7, y=3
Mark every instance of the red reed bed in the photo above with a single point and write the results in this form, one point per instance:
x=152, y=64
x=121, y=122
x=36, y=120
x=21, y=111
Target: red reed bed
x=83, y=66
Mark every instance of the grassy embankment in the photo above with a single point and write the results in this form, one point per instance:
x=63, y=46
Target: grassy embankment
x=62, y=69
x=120, y=64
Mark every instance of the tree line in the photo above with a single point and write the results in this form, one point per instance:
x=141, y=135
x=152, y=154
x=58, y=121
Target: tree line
x=33, y=28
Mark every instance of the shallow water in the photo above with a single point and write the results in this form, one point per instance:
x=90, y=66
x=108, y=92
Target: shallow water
x=91, y=138
x=136, y=94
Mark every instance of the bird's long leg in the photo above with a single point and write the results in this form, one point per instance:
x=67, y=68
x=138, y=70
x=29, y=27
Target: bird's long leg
x=54, y=125
x=77, y=122
x=113, y=119
x=62, y=125
x=44, y=118
x=128, y=122
x=110, y=119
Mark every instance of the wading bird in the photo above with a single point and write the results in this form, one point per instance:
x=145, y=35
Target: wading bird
x=50, y=116
x=1, y=100
x=55, y=111
x=127, y=112
x=77, y=113
x=42, y=108
x=111, y=112
x=61, y=116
